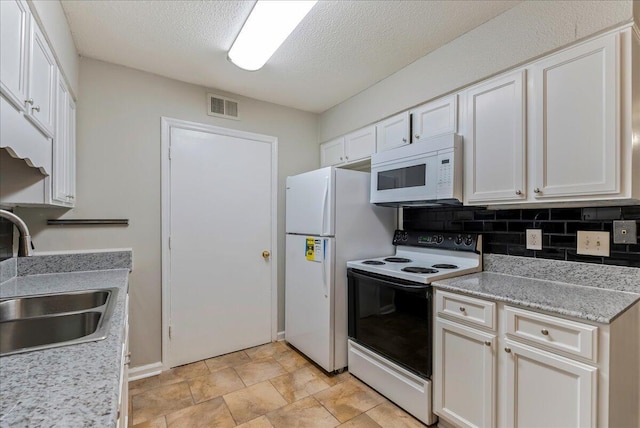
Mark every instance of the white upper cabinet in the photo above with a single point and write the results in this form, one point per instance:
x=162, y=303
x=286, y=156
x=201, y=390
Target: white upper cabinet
x=575, y=120
x=40, y=103
x=393, y=132
x=14, y=49
x=332, y=152
x=63, y=176
x=495, y=140
x=356, y=146
x=560, y=130
x=360, y=144
x=435, y=118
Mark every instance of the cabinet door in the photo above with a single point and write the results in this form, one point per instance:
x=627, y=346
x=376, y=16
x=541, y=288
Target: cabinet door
x=360, y=144
x=42, y=82
x=435, y=118
x=393, y=132
x=576, y=122
x=495, y=139
x=59, y=182
x=14, y=44
x=464, y=375
x=332, y=152
x=546, y=390
x=71, y=152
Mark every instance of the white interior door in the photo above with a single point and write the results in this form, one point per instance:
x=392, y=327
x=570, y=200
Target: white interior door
x=220, y=216
x=309, y=311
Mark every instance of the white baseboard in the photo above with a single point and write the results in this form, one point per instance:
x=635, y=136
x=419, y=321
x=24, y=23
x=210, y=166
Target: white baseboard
x=145, y=371
x=280, y=336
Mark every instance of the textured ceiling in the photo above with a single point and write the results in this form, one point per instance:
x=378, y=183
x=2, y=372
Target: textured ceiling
x=340, y=49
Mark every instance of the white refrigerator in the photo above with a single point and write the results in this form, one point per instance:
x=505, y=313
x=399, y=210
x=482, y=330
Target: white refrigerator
x=329, y=221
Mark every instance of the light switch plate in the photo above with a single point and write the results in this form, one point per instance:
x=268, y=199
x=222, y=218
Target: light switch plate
x=534, y=239
x=593, y=243
x=625, y=232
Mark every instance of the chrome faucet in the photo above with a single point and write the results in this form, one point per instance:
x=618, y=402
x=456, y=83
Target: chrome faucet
x=24, y=244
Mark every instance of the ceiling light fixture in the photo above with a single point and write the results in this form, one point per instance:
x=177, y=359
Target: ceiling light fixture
x=268, y=25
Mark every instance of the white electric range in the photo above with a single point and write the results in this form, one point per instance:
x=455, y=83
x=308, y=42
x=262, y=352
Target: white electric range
x=390, y=313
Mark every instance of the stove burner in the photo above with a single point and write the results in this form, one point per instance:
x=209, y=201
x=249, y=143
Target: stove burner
x=397, y=260
x=445, y=266
x=418, y=269
x=372, y=262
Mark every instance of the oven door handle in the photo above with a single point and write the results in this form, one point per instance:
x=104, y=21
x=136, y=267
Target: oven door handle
x=392, y=284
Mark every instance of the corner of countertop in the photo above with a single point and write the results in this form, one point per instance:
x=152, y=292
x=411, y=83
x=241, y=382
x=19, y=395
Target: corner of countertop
x=8, y=269
x=74, y=262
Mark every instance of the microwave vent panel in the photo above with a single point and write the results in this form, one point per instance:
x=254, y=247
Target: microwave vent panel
x=222, y=107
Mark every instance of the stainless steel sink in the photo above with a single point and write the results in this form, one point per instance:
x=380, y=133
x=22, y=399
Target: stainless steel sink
x=39, y=322
x=28, y=307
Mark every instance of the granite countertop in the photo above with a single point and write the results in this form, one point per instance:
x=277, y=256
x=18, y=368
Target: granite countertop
x=601, y=305
x=68, y=386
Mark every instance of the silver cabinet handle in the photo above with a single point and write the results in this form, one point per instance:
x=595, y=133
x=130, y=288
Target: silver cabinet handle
x=346, y=157
x=545, y=332
x=36, y=108
x=536, y=190
x=127, y=359
x=29, y=101
x=518, y=192
x=341, y=158
x=462, y=309
x=404, y=140
x=507, y=350
x=417, y=137
x=488, y=343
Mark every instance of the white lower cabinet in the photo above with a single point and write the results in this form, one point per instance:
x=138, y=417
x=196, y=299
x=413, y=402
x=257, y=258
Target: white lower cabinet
x=464, y=374
x=535, y=370
x=123, y=403
x=547, y=390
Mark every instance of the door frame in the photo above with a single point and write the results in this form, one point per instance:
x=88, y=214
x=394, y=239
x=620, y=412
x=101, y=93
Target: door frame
x=166, y=125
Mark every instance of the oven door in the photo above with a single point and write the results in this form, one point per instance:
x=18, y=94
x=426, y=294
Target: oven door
x=392, y=317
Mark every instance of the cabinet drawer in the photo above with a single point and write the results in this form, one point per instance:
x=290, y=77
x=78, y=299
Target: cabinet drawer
x=475, y=311
x=556, y=333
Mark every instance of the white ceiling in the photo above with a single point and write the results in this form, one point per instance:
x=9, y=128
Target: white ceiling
x=340, y=49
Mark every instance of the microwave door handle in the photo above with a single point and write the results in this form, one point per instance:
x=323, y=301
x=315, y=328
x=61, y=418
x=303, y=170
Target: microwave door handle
x=324, y=206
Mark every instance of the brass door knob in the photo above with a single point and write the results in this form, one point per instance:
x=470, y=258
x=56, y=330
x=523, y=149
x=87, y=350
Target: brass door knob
x=266, y=254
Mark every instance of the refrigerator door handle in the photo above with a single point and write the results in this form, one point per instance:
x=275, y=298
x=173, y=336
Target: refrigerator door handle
x=324, y=205
x=324, y=270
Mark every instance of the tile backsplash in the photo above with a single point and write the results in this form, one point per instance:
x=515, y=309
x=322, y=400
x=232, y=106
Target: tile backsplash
x=504, y=230
x=6, y=239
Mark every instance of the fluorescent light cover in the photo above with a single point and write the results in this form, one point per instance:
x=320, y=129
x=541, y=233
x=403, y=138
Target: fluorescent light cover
x=269, y=24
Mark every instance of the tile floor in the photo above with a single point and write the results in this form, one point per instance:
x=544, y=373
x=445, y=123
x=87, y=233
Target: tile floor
x=267, y=386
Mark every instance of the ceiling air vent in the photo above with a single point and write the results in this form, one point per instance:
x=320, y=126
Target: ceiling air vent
x=222, y=107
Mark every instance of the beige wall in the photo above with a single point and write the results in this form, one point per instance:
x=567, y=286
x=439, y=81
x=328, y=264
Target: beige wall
x=118, y=161
x=54, y=24
x=521, y=33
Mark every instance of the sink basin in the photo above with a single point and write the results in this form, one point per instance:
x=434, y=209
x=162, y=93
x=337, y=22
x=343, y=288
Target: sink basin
x=28, y=306
x=39, y=322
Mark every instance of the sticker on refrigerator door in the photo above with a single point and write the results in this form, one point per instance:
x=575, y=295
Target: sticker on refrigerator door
x=313, y=250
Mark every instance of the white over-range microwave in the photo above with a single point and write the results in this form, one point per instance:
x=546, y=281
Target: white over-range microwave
x=419, y=174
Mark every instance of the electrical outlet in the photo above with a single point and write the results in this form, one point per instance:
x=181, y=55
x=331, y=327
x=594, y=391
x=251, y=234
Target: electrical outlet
x=593, y=243
x=625, y=232
x=534, y=239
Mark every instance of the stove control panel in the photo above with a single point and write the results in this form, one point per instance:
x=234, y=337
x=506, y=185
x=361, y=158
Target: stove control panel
x=460, y=241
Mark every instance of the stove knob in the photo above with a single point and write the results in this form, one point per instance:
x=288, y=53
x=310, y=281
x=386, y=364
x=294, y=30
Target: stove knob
x=405, y=236
x=440, y=239
x=434, y=239
x=459, y=240
x=468, y=241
